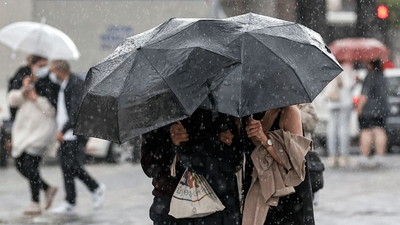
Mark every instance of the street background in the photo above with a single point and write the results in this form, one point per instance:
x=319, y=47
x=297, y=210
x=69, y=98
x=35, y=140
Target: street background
x=350, y=196
x=97, y=27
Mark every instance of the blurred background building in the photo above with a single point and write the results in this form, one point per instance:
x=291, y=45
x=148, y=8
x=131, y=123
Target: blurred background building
x=98, y=26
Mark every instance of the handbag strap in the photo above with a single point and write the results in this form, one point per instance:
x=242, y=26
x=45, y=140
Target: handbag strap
x=173, y=165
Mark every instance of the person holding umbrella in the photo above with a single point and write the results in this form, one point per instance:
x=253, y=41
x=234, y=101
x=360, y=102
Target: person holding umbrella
x=295, y=208
x=70, y=151
x=33, y=130
x=206, y=144
x=165, y=74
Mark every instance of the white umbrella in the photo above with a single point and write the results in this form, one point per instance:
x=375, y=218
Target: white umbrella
x=39, y=39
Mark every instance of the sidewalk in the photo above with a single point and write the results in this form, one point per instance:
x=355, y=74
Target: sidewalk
x=350, y=196
x=128, y=197
x=353, y=196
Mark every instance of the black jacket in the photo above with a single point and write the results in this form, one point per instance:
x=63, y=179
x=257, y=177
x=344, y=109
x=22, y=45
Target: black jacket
x=48, y=89
x=203, y=154
x=16, y=83
x=157, y=154
x=73, y=95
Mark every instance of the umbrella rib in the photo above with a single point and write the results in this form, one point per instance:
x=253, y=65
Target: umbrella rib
x=22, y=39
x=308, y=44
x=293, y=24
x=94, y=84
x=163, y=79
x=178, y=32
x=163, y=25
x=302, y=83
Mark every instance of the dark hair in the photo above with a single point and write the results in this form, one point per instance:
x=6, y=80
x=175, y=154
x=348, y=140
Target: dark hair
x=33, y=59
x=376, y=64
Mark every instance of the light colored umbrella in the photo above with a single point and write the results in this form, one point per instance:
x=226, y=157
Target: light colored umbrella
x=39, y=39
x=359, y=49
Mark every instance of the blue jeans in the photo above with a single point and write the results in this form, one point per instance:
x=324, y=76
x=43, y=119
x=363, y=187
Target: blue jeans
x=338, y=131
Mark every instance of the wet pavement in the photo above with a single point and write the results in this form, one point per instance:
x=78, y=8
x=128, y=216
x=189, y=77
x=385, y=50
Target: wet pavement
x=128, y=197
x=351, y=196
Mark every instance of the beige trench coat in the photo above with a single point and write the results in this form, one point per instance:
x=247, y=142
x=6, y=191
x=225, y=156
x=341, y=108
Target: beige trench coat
x=270, y=180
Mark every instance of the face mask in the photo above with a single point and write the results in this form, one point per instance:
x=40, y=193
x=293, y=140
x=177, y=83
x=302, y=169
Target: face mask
x=42, y=71
x=53, y=78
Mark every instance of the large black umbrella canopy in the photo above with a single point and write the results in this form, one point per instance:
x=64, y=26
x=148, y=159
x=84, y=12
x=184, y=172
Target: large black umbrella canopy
x=282, y=63
x=153, y=79
x=242, y=65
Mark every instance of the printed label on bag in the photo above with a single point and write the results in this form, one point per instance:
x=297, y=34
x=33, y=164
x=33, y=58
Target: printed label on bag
x=191, y=189
x=194, y=197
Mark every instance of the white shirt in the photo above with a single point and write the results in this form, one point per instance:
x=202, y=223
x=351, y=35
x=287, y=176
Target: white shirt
x=62, y=113
x=348, y=80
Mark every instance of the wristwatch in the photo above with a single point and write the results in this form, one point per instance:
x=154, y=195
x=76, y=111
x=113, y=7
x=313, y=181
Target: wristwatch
x=269, y=142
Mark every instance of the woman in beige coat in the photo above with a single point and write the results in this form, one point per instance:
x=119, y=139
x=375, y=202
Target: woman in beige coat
x=265, y=132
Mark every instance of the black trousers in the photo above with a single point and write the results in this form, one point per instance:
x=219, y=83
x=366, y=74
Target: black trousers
x=28, y=165
x=71, y=157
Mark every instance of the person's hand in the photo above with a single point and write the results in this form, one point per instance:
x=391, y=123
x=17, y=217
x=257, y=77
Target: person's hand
x=226, y=137
x=26, y=85
x=255, y=130
x=32, y=95
x=26, y=82
x=60, y=137
x=178, y=134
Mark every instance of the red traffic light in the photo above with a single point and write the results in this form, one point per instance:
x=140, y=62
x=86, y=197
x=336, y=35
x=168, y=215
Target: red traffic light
x=382, y=12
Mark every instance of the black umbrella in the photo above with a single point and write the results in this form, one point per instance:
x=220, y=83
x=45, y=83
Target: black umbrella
x=244, y=64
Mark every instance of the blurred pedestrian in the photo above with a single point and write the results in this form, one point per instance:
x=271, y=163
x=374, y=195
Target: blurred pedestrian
x=33, y=130
x=372, y=110
x=309, y=118
x=36, y=68
x=35, y=64
x=340, y=106
x=71, y=154
x=288, y=204
x=217, y=159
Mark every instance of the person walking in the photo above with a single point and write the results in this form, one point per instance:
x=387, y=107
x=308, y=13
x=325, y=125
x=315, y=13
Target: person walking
x=340, y=107
x=372, y=110
x=33, y=130
x=36, y=65
x=205, y=144
x=71, y=150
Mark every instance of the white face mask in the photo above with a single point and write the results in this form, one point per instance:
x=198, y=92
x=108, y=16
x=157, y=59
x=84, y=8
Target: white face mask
x=42, y=71
x=53, y=78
